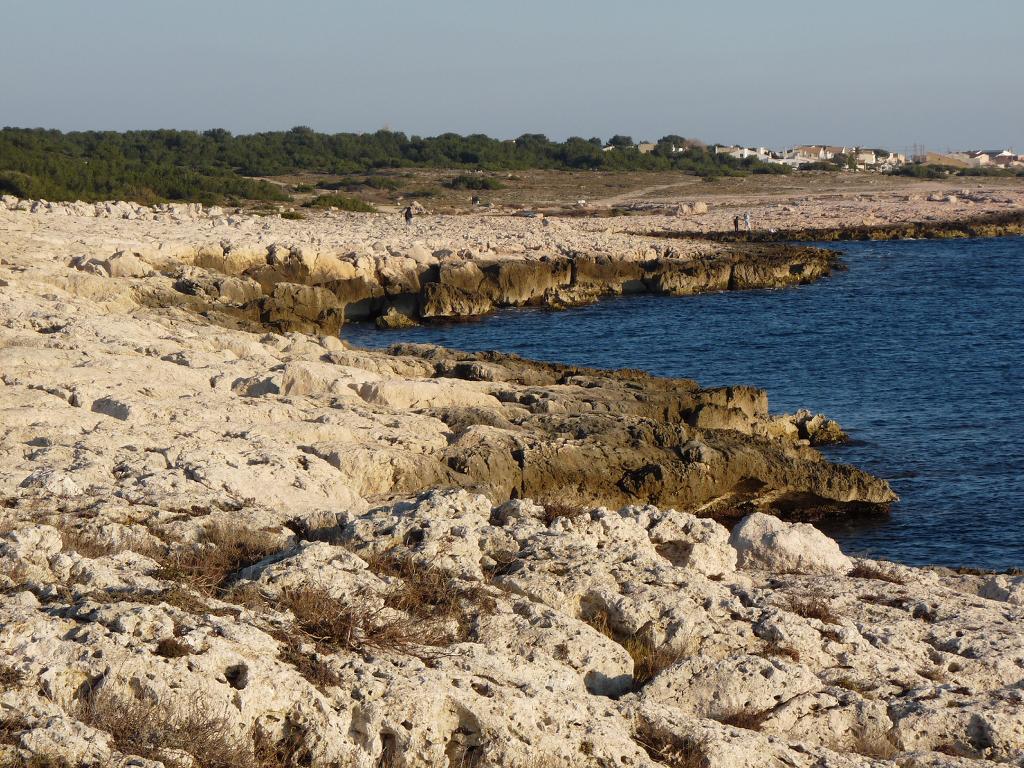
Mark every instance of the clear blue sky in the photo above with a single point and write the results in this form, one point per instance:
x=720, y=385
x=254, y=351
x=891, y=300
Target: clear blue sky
x=890, y=73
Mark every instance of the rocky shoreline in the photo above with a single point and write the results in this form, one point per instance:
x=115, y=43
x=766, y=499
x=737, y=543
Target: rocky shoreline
x=1002, y=224
x=228, y=544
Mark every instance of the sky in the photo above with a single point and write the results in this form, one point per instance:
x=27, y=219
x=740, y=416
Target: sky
x=893, y=73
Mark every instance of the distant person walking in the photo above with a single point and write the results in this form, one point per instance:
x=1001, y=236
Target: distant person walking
x=736, y=222
x=746, y=220
x=408, y=214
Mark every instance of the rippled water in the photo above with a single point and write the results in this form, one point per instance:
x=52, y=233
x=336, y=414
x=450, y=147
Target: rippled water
x=916, y=350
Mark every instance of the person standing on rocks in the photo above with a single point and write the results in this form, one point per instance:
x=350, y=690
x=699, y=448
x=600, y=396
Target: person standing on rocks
x=746, y=220
x=408, y=214
x=736, y=222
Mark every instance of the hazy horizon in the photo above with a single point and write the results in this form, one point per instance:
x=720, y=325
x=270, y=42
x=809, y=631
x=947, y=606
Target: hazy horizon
x=890, y=75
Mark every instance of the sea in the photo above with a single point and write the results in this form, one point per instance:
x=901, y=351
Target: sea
x=917, y=350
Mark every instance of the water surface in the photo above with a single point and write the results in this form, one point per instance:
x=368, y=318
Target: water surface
x=916, y=350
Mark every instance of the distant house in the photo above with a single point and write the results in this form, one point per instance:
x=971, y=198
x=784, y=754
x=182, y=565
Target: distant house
x=808, y=153
x=646, y=147
x=742, y=153
x=866, y=157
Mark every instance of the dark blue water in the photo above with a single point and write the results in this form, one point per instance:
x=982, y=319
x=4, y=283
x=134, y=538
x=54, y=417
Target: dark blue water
x=917, y=351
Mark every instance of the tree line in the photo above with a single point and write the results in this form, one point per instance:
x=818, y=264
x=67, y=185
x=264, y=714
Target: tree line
x=217, y=166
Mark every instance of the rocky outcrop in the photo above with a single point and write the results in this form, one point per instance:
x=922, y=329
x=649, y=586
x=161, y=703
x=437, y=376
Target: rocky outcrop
x=242, y=270
x=250, y=550
x=988, y=224
x=442, y=630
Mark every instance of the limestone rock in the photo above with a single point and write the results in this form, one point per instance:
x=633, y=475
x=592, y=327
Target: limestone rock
x=763, y=541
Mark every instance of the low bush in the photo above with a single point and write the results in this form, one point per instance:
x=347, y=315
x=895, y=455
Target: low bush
x=226, y=549
x=292, y=215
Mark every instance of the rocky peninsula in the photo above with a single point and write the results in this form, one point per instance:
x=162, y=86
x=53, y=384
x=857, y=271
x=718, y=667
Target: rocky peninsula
x=229, y=539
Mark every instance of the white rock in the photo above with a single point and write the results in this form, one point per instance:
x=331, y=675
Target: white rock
x=765, y=542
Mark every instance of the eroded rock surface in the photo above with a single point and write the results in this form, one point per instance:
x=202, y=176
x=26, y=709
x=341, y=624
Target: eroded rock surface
x=228, y=548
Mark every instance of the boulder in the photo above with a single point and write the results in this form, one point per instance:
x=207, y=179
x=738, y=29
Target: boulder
x=767, y=543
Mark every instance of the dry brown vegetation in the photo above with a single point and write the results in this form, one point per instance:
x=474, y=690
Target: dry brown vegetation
x=813, y=607
x=10, y=677
x=670, y=749
x=865, y=569
x=779, y=650
x=172, y=648
x=339, y=623
x=744, y=718
x=307, y=662
x=208, y=568
x=649, y=658
x=877, y=746
x=156, y=732
x=554, y=509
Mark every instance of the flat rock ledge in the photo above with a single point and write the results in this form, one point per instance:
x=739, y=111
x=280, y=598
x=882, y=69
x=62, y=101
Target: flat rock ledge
x=315, y=275
x=227, y=549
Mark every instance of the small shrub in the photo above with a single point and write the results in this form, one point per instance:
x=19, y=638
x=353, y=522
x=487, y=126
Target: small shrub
x=156, y=732
x=332, y=622
x=293, y=215
x=813, y=607
x=554, y=509
x=865, y=569
x=227, y=550
x=412, y=194
x=342, y=202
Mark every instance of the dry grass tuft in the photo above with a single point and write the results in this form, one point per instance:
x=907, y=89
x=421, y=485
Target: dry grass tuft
x=781, y=651
x=37, y=760
x=10, y=677
x=172, y=648
x=649, y=659
x=11, y=728
x=308, y=664
x=744, y=718
x=670, y=749
x=428, y=592
x=863, y=687
x=865, y=569
x=226, y=550
x=813, y=607
x=333, y=623
x=156, y=732
x=554, y=509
